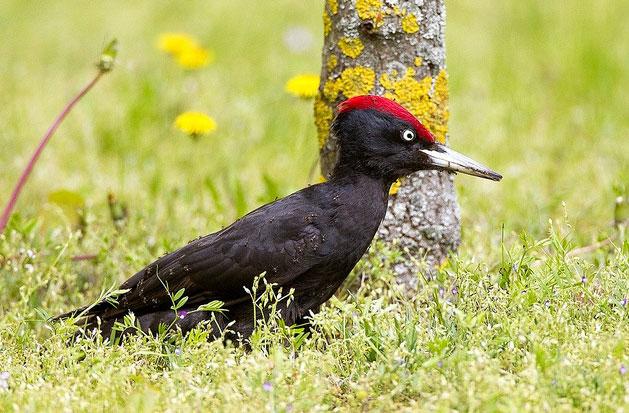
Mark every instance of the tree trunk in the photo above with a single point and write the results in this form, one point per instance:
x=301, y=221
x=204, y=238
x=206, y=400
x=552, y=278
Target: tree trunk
x=395, y=49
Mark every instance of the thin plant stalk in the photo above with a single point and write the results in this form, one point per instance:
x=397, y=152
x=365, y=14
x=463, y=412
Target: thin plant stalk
x=6, y=214
x=105, y=64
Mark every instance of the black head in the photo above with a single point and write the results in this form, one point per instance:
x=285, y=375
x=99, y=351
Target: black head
x=378, y=137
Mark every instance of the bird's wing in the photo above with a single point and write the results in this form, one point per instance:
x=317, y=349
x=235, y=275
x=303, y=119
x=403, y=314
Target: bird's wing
x=283, y=239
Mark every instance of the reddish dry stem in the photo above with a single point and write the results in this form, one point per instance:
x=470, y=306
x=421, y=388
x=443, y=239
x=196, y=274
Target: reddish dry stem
x=85, y=257
x=6, y=214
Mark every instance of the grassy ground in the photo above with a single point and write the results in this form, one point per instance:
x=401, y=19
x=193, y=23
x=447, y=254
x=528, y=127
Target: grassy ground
x=539, y=91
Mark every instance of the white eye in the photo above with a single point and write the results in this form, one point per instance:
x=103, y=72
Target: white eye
x=408, y=135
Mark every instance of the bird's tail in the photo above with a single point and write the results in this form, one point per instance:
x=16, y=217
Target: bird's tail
x=89, y=317
x=105, y=308
x=71, y=313
x=86, y=314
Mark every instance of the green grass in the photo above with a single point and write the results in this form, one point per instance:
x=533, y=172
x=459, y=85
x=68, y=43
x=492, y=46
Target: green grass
x=539, y=91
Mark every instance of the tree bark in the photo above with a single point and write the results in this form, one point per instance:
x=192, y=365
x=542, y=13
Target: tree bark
x=394, y=49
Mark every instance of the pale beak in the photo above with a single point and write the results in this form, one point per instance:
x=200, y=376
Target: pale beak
x=444, y=158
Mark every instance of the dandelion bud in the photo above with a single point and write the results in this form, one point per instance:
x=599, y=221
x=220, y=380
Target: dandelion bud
x=108, y=57
x=621, y=211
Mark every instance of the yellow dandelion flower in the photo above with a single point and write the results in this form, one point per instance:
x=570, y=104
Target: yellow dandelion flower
x=195, y=58
x=176, y=43
x=195, y=124
x=185, y=50
x=303, y=86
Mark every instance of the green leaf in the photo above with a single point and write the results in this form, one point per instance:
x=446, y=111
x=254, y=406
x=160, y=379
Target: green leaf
x=216, y=306
x=272, y=189
x=239, y=198
x=182, y=302
x=178, y=294
x=621, y=210
x=66, y=198
x=214, y=194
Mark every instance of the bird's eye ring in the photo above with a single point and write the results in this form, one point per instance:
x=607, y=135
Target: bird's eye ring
x=408, y=135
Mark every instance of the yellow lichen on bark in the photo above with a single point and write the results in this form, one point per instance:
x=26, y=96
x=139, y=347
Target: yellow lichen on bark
x=331, y=63
x=369, y=9
x=395, y=187
x=353, y=81
x=333, y=6
x=409, y=24
x=441, y=113
x=351, y=46
x=327, y=24
x=323, y=117
x=330, y=90
x=427, y=99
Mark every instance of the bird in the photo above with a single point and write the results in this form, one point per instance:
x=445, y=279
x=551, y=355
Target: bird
x=307, y=242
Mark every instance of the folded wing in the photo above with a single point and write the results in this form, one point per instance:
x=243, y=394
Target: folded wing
x=283, y=240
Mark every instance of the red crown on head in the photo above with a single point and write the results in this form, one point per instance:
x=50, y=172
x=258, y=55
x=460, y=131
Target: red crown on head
x=388, y=106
